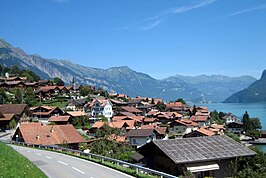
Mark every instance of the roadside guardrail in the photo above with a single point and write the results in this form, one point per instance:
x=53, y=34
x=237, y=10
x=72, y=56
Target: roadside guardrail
x=138, y=169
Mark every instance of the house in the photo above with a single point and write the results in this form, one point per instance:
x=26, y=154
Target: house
x=166, y=117
x=122, y=125
x=202, y=120
x=230, y=118
x=217, y=129
x=201, y=156
x=201, y=132
x=43, y=113
x=47, y=91
x=148, y=121
x=183, y=127
x=36, y=133
x=100, y=106
x=17, y=112
x=139, y=137
x=131, y=109
x=235, y=127
x=177, y=107
x=5, y=120
x=76, y=104
x=60, y=120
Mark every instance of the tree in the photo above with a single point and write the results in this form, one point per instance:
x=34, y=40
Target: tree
x=107, y=146
x=3, y=96
x=58, y=81
x=251, y=126
x=246, y=115
x=181, y=100
x=215, y=118
x=85, y=90
x=12, y=124
x=252, y=166
x=18, y=95
x=15, y=70
x=152, y=101
x=161, y=106
x=1, y=69
x=194, y=110
x=30, y=98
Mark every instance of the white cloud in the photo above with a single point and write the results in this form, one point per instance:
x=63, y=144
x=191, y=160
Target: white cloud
x=155, y=21
x=246, y=10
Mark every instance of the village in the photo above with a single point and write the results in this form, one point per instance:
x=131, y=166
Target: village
x=172, y=137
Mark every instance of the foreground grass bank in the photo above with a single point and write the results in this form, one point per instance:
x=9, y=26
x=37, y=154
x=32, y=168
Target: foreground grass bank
x=13, y=164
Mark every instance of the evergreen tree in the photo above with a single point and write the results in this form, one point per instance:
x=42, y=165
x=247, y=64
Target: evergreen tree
x=152, y=101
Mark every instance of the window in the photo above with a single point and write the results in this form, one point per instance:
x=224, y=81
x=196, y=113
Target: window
x=134, y=141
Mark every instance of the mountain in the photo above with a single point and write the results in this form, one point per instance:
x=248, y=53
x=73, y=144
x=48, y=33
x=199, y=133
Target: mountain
x=215, y=87
x=256, y=92
x=121, y=79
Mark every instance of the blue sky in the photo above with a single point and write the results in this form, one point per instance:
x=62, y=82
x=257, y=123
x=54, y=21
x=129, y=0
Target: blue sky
x=157, y=37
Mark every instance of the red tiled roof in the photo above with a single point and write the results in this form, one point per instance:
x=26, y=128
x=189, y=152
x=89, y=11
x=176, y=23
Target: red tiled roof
x=199, y=118
x=131, y=109
x=98, y=124
x=6, y=117
x=59, y=119
x=76, y=113
x=174, y=104
x=205, y=132
x=35, y=133
x=161, y=130
x=149, y=119
x=187, y=123
x=47, y=88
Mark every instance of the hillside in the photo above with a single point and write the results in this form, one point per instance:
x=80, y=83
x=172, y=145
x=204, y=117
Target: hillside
x=122, y=79
x=214, y=87
x=256, y=92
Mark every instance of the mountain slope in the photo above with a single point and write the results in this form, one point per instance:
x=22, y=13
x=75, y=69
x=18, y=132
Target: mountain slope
x=214, y=87
x=256, y=92
x=123, y=79
x=119, y=79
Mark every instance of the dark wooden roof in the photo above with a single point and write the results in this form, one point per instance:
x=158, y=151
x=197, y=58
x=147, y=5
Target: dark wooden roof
x=199, y=149
x=140, y=132
x=16, y=109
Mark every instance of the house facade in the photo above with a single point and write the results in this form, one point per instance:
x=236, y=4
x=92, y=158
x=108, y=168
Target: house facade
x=139, y=137
x=101, y=106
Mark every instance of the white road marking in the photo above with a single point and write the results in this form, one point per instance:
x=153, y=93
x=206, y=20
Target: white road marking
x=63, y=163
x=48, y=157
x=28, y=151
x=78, y=170
x=38, y=154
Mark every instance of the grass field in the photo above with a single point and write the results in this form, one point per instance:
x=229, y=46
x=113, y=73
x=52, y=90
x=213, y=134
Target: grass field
x=12, y=164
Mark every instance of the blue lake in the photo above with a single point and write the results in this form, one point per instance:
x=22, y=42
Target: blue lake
x=253, y=109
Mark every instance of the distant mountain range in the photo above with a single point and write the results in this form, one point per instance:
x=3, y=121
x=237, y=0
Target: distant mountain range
x=256, y=92
x=196, y=89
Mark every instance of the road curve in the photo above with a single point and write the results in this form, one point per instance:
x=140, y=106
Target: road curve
x=56, y=165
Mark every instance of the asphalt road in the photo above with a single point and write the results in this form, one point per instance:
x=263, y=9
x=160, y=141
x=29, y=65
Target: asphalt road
x=56, y=165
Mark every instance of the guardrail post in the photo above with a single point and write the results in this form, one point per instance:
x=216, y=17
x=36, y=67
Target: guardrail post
x=137, y=171
x=102, y=160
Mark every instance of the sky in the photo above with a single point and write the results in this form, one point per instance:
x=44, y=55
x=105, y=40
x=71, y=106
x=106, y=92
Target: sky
x=158, y=37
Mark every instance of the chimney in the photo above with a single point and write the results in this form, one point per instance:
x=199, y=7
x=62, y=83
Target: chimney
x=52, y=129
x=37, y=136
x=7, y=75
